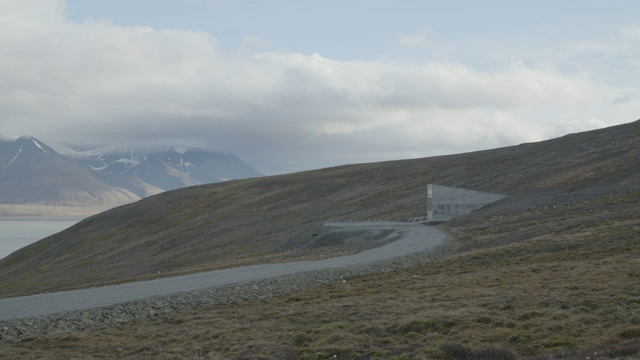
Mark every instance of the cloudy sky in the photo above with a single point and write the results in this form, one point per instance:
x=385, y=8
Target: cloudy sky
x=290, y=85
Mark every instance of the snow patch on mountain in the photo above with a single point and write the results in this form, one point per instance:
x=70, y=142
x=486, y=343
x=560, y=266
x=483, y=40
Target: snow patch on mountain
x=129, y=162
x=12, y=160
x=180, y=149
x=99, y=168
x=38, y=145
x=136, y=150
x=183, y=163
x=185, y=179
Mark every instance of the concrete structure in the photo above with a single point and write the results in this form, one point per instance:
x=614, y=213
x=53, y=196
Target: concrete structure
x=445, y=203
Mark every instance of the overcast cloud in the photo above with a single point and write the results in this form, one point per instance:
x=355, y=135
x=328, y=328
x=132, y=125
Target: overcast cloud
x=95, y=83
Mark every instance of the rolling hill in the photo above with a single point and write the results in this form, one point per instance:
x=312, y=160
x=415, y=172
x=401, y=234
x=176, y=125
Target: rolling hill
x=261, y=219
x=549, y=272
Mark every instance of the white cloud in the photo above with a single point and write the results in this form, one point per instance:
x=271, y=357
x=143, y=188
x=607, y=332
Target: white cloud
x=98, y=83
x=31, y=12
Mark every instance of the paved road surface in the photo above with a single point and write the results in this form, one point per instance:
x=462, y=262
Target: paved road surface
x=416, y=238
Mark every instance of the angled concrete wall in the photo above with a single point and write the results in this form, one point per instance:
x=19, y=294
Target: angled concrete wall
x=445, y=202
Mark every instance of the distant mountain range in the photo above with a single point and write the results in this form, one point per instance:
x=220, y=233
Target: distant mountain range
x=167, y=167
x=33, y=173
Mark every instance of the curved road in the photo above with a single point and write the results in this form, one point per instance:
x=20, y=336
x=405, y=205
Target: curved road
x=416, y=238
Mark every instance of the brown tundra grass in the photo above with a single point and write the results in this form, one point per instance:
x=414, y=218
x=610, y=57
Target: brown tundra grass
x=569, y=294
x=551, y=272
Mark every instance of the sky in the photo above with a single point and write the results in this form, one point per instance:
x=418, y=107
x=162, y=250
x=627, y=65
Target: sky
x=296, y=85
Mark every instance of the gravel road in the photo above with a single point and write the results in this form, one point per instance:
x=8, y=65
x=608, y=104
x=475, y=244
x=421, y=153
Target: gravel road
x=22, y=317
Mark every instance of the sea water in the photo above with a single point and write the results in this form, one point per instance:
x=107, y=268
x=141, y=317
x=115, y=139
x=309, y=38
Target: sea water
x=17, y=232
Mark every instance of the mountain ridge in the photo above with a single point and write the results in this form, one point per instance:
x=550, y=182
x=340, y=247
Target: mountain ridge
x=167, y=167
x=141, y=149
x=32, y=173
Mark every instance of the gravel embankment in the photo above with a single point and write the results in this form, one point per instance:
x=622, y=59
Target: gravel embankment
x=98, y=318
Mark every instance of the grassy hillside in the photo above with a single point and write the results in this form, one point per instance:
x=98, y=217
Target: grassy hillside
x=253, y=220
x=553, y=270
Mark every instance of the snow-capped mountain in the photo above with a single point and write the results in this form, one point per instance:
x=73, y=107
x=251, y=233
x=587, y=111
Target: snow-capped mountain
x=33, y=173
x=167, y=167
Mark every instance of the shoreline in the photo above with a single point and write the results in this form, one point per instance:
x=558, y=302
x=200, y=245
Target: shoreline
x=36, y=211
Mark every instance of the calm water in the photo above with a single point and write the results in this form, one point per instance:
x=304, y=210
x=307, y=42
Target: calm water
x=17, y=232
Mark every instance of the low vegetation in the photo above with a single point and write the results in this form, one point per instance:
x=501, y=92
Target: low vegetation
x=550, y=272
